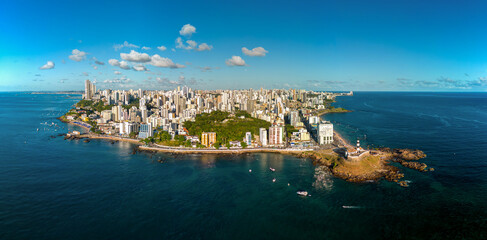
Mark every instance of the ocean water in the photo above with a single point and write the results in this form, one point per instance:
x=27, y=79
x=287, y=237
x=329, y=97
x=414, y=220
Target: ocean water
x=56, y=189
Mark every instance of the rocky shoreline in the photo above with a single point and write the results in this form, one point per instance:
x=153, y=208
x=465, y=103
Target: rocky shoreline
x=370, y=168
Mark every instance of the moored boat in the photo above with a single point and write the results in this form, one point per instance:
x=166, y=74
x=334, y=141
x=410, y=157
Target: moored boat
x=302, y=193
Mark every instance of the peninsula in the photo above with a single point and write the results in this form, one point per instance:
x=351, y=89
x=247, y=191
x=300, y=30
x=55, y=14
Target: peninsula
x=184, y=120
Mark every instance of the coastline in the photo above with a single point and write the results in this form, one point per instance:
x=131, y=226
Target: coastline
x=223, y=151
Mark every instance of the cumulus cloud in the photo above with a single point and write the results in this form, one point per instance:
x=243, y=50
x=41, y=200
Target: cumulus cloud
x=256, y=52
x=134, y=56
x=124, y=44
x=204, y=47
x=121, y=64
x=77, y=55
x=117, y=72
x=159, y=61
x=48, y=65
x=146, y=48
x=139, y=68
x=95, y=67
x=162, y=48
x=235, y=61
x=192, y=45
x=187, y=30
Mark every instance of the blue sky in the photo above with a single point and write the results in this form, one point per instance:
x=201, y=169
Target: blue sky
x=315, y=45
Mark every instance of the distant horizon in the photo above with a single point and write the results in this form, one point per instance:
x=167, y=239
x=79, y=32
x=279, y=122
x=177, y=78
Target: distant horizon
x=396, y=91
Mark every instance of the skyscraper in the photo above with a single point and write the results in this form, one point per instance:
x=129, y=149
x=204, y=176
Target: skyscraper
x=89, y=90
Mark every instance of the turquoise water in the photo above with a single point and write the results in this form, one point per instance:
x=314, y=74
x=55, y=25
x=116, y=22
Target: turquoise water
x=53, y=189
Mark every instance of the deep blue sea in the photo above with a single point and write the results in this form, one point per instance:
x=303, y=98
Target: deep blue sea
x=56, y=189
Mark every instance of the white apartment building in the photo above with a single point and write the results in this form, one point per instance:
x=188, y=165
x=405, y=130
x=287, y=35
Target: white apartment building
x=325, y=133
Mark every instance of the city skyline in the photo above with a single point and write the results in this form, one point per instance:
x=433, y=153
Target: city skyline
x=321, y=46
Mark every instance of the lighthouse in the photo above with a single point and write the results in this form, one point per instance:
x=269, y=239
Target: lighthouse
x=358, y=145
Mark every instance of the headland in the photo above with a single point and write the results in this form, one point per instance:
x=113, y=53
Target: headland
x=208, y=122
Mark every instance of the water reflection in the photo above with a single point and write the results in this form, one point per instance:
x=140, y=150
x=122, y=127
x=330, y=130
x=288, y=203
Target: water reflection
x=206, y=160
x=323, y=178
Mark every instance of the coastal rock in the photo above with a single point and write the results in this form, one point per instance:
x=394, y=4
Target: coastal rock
x=415, y=165
x=403, y=184
x=405, y=154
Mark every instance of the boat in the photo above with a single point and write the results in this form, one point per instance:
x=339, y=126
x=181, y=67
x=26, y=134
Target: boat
x=250, y=170
x=302, y=193
x=274, y=180
x=272, y=169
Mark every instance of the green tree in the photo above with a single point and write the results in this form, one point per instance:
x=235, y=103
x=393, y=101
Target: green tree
x=243, y=144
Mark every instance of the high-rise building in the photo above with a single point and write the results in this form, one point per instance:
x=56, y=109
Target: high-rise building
x=276, y=135
x=313, y=120
x=325, y=133
x=117, y=113
x=208, y=138
x=90, y=90
x=263, y=136
x=294, y=118
x=145, y=130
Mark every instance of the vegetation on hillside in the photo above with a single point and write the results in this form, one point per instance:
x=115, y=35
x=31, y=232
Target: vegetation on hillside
x=227, y=127
x=290, y=129
x=97, y=106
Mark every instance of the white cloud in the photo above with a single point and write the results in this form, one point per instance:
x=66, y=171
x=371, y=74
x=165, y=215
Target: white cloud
x=139, y=68
x=114, y=62
x=235, y=61
x=95, y=67
x=187, y=30
x=192, y=45
x=256, y=52
x=180, y=44
x=162, y=48
x=117, y=72
x=77, y=55
x=146, y=48
x=124, y=65
x=48, y=65
x=204, y=47
x=124, y=44
x=159, y=61
x=134, y=56
x=121, y=64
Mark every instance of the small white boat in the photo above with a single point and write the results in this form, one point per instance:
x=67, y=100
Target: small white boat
x=302, y=193
x=274, y=180
x=272, y=169
x=350, y=206
x=250, y=170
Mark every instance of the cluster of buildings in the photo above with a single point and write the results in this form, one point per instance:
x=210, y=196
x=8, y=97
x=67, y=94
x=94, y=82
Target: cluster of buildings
x=139, y=112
